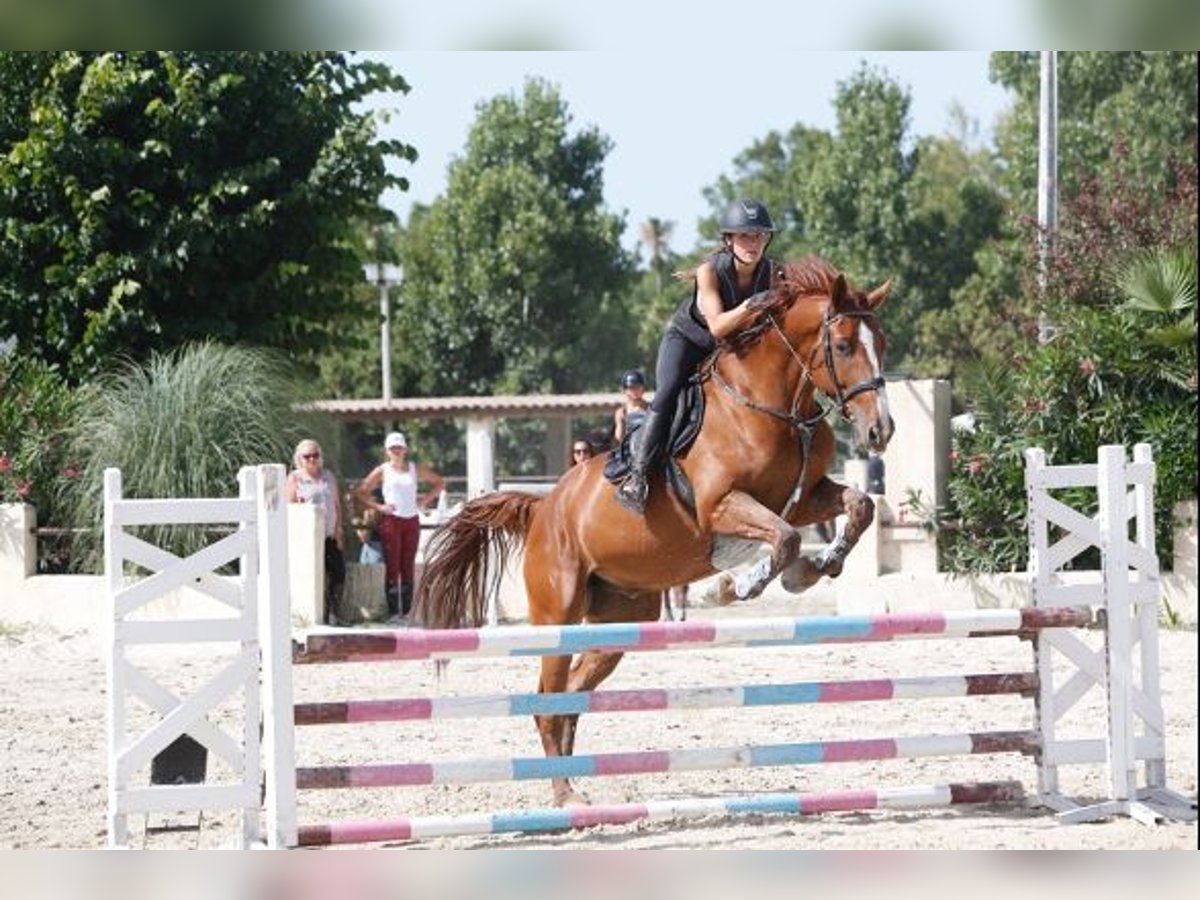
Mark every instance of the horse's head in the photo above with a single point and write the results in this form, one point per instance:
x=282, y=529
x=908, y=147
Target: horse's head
x=848, y=364
x=832, y=332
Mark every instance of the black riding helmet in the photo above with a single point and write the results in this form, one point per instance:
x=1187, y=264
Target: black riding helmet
x=632, y=378
x=747, y=216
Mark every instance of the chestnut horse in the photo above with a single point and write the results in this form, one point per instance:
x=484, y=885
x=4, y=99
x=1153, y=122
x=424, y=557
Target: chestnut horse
x=757, y=469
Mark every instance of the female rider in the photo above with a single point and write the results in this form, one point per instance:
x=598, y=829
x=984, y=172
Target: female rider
x=720, y=304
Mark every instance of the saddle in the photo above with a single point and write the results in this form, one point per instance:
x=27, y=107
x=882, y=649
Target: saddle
x=685, y=425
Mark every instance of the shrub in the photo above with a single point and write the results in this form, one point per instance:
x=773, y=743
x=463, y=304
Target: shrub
x=182, y=426
x=36, y=405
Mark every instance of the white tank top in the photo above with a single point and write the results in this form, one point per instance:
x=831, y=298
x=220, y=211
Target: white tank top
x=400, y=490
x=317, y=492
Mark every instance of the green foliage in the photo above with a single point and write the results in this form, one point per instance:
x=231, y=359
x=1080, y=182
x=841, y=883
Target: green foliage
x=182, y=425
x=515, y=279
x=1100, y=380
x=148, y=199
x=879, y=207
x=35, y=406
x=1146, y=97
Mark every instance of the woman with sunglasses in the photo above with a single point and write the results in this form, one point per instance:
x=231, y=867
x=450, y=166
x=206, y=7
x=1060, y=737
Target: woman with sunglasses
x=721, y=302
x=398, y=480
x=311, y=482
x=581, y=451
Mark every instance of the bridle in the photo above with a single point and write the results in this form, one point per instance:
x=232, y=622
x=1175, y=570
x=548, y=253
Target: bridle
x=841, y=395
x=804, y=425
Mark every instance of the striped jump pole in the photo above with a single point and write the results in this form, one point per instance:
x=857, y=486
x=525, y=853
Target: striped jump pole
x=549, y=820
x=409, y=709
x=750, y=756
x=520, y=641
x=551, y=640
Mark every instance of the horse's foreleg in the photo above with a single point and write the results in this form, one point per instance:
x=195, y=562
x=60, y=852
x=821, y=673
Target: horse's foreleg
x=740, y=515
x=827, y=500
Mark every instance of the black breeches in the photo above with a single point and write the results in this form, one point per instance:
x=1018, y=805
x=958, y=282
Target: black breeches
x=677, y=361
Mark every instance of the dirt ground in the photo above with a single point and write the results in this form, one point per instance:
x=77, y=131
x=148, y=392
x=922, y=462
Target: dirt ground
x=53, y=711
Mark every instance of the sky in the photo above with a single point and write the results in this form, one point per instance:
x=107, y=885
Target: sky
x=675, y=119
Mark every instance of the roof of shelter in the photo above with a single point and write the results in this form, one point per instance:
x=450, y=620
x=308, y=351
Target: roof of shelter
x=526, y=405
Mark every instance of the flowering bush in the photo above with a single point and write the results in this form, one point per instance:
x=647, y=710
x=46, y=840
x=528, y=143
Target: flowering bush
x=35, y=407
x=1099, y=381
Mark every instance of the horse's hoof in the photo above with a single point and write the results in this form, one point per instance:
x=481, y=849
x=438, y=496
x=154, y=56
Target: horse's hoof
x=726, y=590
x=799, y=576
x=572, y=798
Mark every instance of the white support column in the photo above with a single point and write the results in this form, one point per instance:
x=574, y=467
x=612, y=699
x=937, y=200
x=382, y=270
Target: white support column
x=481, y=444
x=1113, y=518
x=1039, y=579
x=118, y=821
x=248, y=565
x=279, y=741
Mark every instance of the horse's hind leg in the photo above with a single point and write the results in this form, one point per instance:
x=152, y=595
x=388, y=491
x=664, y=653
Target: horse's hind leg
x=557, y=732
x=605, y=604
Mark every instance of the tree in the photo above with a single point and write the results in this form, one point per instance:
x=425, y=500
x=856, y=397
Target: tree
x=1146, y=98
x=655, y=233
x=878, y=206
x=152, y=198
x=516, y=273
x=1119, y=369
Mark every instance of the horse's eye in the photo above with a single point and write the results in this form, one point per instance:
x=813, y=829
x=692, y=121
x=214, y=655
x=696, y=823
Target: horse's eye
x=842, y=346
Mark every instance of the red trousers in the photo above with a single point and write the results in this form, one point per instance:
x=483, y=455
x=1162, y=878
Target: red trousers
x=400, y=538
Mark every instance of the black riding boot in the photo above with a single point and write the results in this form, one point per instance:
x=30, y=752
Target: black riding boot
x=406, y=597
x=392, y=593
x=647, y=441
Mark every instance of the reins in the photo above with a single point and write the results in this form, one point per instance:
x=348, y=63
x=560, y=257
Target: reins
x=804, y=425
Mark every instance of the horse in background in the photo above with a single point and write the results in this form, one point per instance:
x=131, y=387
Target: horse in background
x=757, y=468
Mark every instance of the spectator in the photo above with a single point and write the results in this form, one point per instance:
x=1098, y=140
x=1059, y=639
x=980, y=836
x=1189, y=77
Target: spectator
x=366, y=529
x=311, y=482
x=398, y=480
x=632, y=412
x=581, y=451
x=875, y=470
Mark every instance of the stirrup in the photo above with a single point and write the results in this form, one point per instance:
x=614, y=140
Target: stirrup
x=631, y=494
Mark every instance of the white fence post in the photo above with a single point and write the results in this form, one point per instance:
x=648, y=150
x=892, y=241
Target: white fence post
x=276, y=638
x=118, y=821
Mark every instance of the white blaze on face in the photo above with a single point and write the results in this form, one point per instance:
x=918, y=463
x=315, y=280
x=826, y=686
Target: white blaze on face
x=867, y=338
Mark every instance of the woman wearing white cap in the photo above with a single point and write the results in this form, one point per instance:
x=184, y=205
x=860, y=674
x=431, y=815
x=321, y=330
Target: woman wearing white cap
x=398, y=481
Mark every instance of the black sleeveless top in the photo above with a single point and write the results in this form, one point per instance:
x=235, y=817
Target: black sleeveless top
x=687, y=319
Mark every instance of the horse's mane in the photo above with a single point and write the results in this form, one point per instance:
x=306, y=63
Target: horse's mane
x=811, y=276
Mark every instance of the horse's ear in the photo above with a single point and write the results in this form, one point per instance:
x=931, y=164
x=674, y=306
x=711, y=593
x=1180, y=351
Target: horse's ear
x=838, y=295
x=876, y=297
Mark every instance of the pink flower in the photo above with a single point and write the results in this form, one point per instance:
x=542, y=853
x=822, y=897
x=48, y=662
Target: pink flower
x=953, y=456
x=70, y=471
x=1087, y=367
x=976, y=464
x=23, y=488
x=5, y=463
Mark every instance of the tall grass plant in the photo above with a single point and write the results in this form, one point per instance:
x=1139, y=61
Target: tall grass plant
x=182, y=425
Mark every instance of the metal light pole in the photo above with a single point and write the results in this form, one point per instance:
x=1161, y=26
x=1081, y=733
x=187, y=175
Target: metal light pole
x=1047, y=210
x=384, y=275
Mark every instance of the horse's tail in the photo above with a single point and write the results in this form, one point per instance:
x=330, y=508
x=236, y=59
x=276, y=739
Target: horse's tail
x=454, y=584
